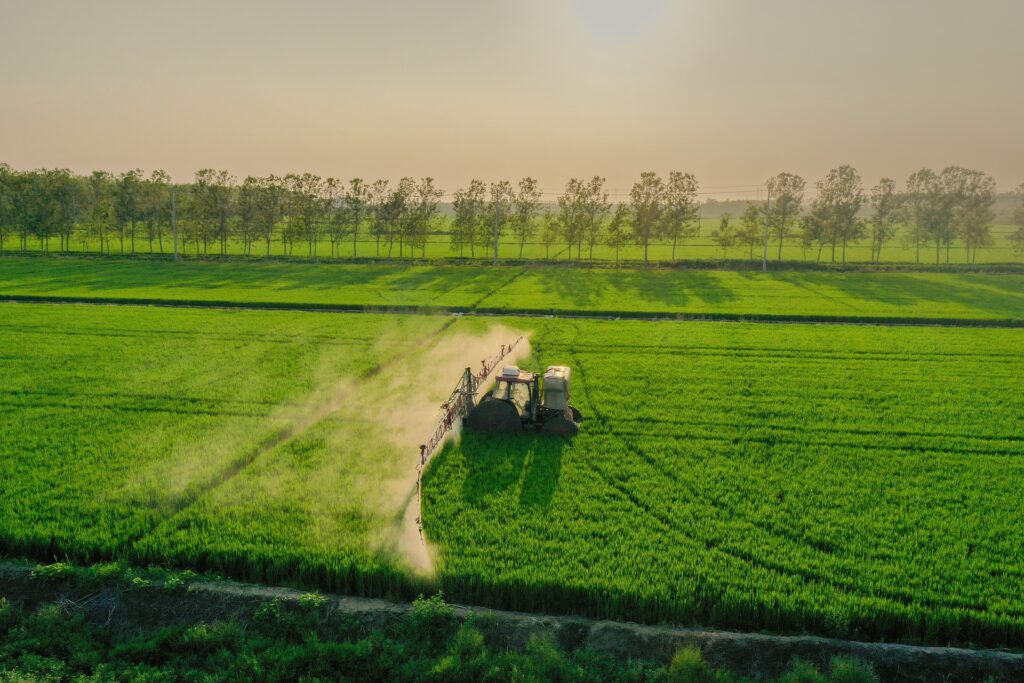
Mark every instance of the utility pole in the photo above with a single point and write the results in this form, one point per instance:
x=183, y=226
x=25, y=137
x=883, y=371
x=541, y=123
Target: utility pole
x=174, y=222
x=767, y=210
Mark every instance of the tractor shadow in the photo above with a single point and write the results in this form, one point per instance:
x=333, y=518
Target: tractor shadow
x=522, y=469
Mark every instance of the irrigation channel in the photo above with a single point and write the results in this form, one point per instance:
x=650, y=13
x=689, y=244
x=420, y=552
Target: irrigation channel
x=639, y=316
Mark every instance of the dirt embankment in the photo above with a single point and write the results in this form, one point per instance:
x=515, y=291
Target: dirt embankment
x=755, y=655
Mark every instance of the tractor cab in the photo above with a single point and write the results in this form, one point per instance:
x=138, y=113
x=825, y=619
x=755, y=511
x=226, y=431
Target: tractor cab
x=520, y=400
x=517, y=387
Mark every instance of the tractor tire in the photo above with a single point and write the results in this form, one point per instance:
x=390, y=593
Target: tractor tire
x=560, y=426
x=494, y=416
x=577, y=417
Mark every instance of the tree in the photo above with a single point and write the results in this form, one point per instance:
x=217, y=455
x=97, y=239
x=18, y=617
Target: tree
x=468, y=205
x=396, y=213
x=1017, y=237
x=499, y=210
x=212, y=206
x=68, y=204
x=422, y=212
x=931, y=202
x=570, y=219
x=593, y=211
x=330, y=218
x=550, y=232
x=100, y=206
x=840, y=196
x=814, y=229
x=525, y=210
x=680, y=208
x=885, y=203
x=307, y=202
x=617, y=234
x=7, y=188
x=647, y=202
x=726, y=235
x=355, y=202
x=377, y=200
x=156, y=207
x=269, y=202
x=787, y=194
x=752, y=227
x=128, y=204
x=973, y=214
x=247, y=209
x=36, y=211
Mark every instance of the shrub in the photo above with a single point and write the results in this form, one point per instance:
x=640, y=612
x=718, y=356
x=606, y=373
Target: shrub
x=850, y=670
x=803, y=671
x=688, y=666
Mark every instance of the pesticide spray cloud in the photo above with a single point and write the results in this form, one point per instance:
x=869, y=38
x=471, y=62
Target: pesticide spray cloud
x=365, y=434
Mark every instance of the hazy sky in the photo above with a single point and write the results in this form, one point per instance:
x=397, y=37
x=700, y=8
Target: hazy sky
x=732, y=90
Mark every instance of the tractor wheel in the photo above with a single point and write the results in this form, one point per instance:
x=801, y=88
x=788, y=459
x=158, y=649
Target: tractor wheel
x=494, y=415
x=560, y=426
x=577, y=417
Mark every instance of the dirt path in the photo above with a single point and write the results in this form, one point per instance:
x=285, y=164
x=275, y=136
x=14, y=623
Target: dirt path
x=751, y=654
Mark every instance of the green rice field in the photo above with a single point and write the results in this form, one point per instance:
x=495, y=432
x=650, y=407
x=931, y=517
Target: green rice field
x=789, y=294
x=856, y=481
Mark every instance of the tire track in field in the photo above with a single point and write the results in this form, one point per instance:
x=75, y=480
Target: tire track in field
x=804, y=574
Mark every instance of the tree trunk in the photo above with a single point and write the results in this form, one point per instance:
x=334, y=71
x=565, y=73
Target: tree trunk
x=782, y=235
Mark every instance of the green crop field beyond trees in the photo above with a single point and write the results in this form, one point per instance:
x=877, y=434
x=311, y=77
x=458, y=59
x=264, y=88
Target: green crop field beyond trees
x=850, y=481
x=792, y=294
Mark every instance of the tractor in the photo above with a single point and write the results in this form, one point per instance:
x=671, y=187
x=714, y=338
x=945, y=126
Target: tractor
x=526, y=400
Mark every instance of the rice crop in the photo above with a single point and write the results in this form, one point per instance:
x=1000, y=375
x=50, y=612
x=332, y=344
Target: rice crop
x=853, y=481
x=626, y=291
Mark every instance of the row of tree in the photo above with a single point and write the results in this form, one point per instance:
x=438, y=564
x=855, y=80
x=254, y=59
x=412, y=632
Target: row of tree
x=141, y=212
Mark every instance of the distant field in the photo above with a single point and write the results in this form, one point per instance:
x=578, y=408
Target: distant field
x=852, y=295
x=854, y=481
x=699, y=247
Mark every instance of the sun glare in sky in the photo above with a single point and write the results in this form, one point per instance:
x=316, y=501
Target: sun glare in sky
x=731, y=90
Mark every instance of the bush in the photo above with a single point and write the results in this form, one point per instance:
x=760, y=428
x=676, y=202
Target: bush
x=803, y=671
x=688, y=666
x=850, y=670
x=547, y=662
x=313, y=600
x=432, y=621
x=58, y=571
x=466, y=657
x=8, y=615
